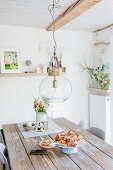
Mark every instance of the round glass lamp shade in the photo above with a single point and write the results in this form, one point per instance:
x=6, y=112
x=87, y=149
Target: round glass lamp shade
x=55, y=89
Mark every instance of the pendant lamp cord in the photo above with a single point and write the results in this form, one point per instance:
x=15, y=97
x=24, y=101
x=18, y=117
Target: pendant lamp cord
x=51, y=9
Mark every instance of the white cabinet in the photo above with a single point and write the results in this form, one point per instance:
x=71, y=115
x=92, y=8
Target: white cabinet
x=100, y=113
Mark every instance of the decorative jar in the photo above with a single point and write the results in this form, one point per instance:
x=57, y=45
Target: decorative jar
x=41, y=116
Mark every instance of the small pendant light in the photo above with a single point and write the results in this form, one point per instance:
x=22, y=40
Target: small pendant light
x=55, y=88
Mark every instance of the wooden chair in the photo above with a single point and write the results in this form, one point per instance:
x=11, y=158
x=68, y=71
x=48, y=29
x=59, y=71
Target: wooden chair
x=83, y=123
x=97, y=132
x=3, y=157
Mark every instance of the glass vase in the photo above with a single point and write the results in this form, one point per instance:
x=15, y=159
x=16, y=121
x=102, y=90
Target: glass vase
x=92, y=83
x=41, y=117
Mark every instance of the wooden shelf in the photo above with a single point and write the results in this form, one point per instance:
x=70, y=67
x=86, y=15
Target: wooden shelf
x=22, y=74
x=102, y=43
x=99, y=90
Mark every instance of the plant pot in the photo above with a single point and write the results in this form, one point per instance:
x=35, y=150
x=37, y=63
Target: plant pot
x=41, y=117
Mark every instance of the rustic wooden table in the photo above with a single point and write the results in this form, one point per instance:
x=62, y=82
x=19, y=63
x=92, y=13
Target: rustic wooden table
x=95, y=154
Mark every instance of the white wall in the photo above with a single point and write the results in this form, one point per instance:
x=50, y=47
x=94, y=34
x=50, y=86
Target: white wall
x=16, y=93
x=106, y=58
x=102, y=52
x=111, y=94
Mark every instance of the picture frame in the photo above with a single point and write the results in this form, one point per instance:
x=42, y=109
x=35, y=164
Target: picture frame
x=10, y=60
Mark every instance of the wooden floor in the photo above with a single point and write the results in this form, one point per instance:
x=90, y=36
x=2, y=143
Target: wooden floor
x=94, y=155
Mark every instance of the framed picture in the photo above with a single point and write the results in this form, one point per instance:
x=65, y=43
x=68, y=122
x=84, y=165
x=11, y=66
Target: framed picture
x=10, y=60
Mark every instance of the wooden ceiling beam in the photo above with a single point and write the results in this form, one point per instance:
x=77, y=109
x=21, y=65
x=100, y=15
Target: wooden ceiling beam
x=72, y=12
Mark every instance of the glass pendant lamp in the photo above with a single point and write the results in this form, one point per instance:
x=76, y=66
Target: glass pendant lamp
x=55, y=88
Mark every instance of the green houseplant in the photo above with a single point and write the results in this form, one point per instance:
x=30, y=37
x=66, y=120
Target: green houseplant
x=98, y=76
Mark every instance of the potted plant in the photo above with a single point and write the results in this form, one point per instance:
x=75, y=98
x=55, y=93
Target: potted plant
x=99, y=79
x=40, y=110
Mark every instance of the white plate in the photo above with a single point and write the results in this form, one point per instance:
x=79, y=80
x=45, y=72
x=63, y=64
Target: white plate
x=52, y=145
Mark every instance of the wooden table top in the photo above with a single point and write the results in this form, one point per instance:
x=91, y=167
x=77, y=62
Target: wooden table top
x=95, y=154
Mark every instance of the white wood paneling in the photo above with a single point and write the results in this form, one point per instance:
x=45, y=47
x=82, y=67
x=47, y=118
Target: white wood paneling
x=29, y=12
x=35, y=13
